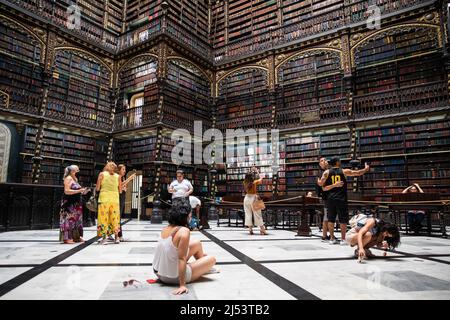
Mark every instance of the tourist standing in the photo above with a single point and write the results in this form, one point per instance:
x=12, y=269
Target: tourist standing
x=181, y=189
x=109, y=186
x=335, y=183
x=252, y=217
x=71, y=214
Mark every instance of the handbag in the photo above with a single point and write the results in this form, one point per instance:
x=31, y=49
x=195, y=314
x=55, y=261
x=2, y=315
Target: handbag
x=92, y=204
x=258, y=204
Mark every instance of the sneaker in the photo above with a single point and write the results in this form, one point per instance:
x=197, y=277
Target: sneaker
x=324, y=239
x=110, y=238
x=334, y=241
x=343, y=243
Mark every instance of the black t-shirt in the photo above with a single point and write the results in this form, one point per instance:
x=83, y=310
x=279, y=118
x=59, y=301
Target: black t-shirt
x=336, y=175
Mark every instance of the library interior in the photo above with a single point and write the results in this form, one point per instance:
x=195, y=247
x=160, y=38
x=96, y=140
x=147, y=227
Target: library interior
x=119, y=180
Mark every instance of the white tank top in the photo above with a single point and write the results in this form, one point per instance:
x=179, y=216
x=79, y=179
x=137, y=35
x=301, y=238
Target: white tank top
x=165, y=260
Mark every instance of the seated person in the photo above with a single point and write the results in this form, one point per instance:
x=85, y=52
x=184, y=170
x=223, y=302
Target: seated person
x=195, y=203
x=174, y=250
x=369, y=232
x=415, y=217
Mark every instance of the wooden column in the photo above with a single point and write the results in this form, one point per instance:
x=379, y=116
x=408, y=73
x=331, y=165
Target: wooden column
x=124, y=15
x=36, y=170
x=156, y=188
x=47, y=76
x=225, y=10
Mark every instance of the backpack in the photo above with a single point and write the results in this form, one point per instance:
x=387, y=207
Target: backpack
x=194, y=222
x=356, y=219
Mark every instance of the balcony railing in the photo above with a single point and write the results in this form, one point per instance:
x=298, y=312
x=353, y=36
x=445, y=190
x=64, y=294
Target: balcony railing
x=424, y=96
x=25, y=102
x=71, y=113
x=136, y=118
x=140, y=35
x=56, y=13
x=165, y=25
x=314, y=113
x=308, y=27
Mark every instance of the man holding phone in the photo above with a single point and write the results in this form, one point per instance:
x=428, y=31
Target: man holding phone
x=334, y=182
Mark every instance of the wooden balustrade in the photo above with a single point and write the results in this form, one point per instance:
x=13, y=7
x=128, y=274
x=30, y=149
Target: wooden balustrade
x=430, y=95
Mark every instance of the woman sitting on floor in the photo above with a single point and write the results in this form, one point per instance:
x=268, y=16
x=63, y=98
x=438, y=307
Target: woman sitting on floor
x=369, y=232
x=174, y=250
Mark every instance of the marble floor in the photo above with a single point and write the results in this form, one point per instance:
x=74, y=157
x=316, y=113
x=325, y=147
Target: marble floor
x=280, y=266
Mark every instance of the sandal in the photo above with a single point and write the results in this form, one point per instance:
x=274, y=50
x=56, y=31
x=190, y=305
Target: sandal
x=104, y=242
x=251, y=232
x=69, y=241
x=263, y=233
x=117, y=241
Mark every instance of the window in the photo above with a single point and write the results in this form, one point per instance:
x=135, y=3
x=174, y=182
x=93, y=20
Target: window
x=135, y=110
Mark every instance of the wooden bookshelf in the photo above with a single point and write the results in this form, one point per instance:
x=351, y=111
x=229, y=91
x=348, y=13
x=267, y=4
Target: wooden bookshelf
x=310, y=90
x=243, y=100
x=408, y=146
x=20, y=68
x=399, y=72
x=80, y=90
x=186, y=96
x=59, y=150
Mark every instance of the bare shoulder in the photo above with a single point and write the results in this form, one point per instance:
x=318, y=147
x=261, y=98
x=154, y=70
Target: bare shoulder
x=68, y=179
x=184, y=232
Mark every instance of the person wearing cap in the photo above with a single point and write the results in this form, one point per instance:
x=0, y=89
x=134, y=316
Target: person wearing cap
x=71, y=214
x=334, y=182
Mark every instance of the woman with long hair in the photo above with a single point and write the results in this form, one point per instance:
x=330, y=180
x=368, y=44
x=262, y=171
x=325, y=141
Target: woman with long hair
x=252, y=217
x=370, y=232
x=108, y=186
x=71, y=214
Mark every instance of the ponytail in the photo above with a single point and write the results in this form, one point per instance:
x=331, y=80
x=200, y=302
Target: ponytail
x=68, y=170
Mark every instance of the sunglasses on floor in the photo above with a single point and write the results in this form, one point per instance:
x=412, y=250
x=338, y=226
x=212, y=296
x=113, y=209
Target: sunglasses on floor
x=130, y=282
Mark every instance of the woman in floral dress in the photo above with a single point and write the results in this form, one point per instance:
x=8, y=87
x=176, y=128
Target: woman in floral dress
x=71, y=214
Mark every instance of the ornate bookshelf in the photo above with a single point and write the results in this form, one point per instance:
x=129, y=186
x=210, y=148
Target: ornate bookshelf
x=21, y=69
x=59, y=150
x=186, y=96
x=311, y=89
x=391, y=78
x=80, y=90
x=243, y=100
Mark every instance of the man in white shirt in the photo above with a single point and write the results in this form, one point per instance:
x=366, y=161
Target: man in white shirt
x=195, y=205
x=180, y=189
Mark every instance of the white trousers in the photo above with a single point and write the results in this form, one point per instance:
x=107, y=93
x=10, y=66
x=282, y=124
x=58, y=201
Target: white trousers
x=252, y=218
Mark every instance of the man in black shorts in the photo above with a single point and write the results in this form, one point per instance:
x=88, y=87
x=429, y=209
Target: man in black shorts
x=335, y=184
